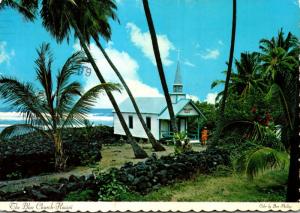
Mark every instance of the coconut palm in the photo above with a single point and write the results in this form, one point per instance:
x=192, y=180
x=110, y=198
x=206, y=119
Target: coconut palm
x=280, y=60
x=228, y=75
x=160, y=66
x=86, y=19
x=247, y=77
x=53, y=108
x=92, y=30
x=26, y=8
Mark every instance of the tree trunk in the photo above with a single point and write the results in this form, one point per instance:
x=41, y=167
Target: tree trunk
x=160, y=66
x=60, y=159
x=228, y=75
x=156, y=146
x=293, y=194
x=138, y=151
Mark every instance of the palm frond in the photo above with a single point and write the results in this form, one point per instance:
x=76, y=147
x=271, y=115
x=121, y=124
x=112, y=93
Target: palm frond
x=23, y=99
x=66, y=98
x=276, y=91
x=43, y=70
x=71, y=66
x=20, y=129
x=27, y=8
x=259, y=159
x=216, y=83
x=79, y=111
x=64, y=89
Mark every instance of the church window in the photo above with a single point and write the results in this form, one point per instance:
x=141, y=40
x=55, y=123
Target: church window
x=148, y=122
x=130, y=118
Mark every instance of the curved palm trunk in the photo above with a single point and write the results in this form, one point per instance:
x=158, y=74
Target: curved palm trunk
x=293, y=194
x=156, y=146
x=228, y=75
x=138, y=151
x=160, y=66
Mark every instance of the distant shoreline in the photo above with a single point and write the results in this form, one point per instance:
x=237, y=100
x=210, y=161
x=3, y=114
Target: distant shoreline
x=97, y=117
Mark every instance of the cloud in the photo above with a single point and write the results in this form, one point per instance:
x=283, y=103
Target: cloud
x=143, y=42
x=197, y=45
x=192, y=97
x=4, y=55
x=221, y=42
x=188, y=63
x=128, y=68
x=211, y=98
x=210, y=54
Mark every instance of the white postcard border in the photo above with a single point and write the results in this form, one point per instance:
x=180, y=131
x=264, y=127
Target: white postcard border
x=147, y=206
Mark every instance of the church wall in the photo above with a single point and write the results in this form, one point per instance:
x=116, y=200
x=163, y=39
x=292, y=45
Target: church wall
x=137, y=130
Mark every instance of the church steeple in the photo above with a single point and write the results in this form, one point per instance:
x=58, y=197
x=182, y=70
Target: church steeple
x=177, y=86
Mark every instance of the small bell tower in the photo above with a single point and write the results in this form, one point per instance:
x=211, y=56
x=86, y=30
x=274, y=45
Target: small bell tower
x=177, y=86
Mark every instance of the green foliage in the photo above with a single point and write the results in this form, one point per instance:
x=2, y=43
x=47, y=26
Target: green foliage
x=84, y=195
x=113, y=191
x=182, y=143
x=209, y=111
x=259, y=159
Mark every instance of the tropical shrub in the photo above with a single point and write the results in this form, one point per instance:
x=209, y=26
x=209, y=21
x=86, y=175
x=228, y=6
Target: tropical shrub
x=182, y=143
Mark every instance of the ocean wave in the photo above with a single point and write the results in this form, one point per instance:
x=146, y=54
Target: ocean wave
x=11, y=116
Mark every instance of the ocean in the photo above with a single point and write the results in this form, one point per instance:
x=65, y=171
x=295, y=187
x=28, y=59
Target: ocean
x=96, y=117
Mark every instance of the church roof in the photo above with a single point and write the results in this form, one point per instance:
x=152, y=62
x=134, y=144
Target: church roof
x=178, y=78
x=151, y=105
x=155, y=105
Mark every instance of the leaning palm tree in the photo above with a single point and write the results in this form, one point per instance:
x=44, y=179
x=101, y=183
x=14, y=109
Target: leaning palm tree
x=228, y=75
x=92, y=29
x=50, y=110
x=86, y=19
x=156, y=146
x=160, y=66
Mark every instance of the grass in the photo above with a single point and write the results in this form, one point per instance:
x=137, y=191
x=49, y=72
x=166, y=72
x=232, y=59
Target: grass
x=112, y=156
x=270, y=186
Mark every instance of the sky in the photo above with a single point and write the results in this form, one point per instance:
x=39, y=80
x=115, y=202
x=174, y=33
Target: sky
x=196, y=33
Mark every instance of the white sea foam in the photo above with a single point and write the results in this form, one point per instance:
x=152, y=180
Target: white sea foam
x=11, y=116
x=94, y=117
x=4, y=125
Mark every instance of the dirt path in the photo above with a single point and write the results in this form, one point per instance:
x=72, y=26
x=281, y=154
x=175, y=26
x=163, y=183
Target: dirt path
x=112, y=156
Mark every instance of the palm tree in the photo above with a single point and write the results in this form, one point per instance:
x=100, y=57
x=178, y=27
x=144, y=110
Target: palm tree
x=86, y=19
x=247, y=77
x=160, y=66
x=26, y=8
x=279, y=58
x=50, y=110
x=228, y=75
x=156, y=146
x=92, y=31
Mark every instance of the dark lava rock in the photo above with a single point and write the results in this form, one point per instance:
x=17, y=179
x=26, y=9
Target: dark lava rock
x=38, y=195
